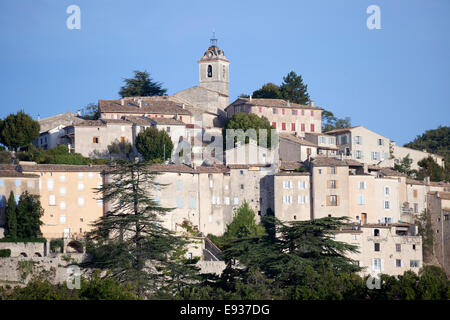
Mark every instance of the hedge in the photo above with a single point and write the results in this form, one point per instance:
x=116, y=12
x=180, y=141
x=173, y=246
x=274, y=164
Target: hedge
x=5, y=253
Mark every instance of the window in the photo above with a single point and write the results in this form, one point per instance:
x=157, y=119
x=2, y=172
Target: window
x=283, y=111
x=292, y=126
x=312, y=112
x=213, y=200
x=380, y=142
x=387, y=191
x=287, y=199
x=62, y=219
x=179, y=185
x=387, y=220
x=360, y=199
x=332, y=200
x=52, y=200
x=375, y=156
x=274, y=125
x=242, y=187
x=376, y=246
x=302, y=185
x=179, y=202
x=302, y=199
x=227, y=201
x=398, y=247
x=416, y=207
x=80, y=186
x=287, y=184
x=241, y=172
x=398, y=263
x=414, y=263
x=302, y=127
x=283, y=126
x=80, y=201
x=1, y=183
x=209, y=71
x=332, y=170
x=414, y=247
x=18, y=182
x=50, y=184
x=236, y=200
x=332, y=184
x=387, y=204
x=80, y=175
x=62, y=178
x=211, y=183
x=2, y=201
x=357, y=140
x=157, y=200
x=30, y=184
x=362, y=185
x=312, y=127
x=122, y=139
x=62, y=191
x=95, y=140
x=62, y=205
x=376, y=264
x=191, y=202
x=415, y=193
x=376, y=232
x=359, y=154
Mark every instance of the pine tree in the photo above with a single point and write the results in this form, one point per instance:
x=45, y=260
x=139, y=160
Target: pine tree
x=141, y=85
x=293, y=89
x=11, y=217
x=130, y=240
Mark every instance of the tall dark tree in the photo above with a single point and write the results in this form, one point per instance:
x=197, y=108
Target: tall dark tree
x=11, y=217
x=91, y=112
x=430, y=168
x=268, y=91
x=130, y=240
x=141, y=85
x=29, y=213
x=120, y=149
x=18, y=130
x=154, y=145
x=293, y=89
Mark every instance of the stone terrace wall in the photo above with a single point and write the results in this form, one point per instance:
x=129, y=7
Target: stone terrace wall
x=31, y=249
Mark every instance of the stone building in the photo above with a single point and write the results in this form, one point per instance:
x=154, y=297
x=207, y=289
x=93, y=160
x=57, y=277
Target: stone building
x=399, y=153
x=294, y=148
x=439, y=211
x=67, y=194
x=362, y=144
x=284, y=116
x=389, y=248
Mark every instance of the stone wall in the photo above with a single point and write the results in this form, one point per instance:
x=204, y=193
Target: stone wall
x=25, y=249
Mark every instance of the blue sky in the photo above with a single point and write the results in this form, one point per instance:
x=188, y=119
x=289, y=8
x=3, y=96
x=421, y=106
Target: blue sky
x=394, y=81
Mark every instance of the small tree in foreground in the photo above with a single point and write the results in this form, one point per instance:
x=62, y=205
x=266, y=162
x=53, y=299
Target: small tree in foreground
x=130, y=241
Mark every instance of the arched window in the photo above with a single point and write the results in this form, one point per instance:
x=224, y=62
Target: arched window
x=209, y=71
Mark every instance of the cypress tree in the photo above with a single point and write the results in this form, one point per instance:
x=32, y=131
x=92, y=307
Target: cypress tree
x=29, y=213
x=11, y=217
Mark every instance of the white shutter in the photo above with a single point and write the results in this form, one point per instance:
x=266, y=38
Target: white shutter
x=401, y=263
x=382, y=265
x=373, y=264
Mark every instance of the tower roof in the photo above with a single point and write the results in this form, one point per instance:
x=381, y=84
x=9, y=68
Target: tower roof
x=213, y=52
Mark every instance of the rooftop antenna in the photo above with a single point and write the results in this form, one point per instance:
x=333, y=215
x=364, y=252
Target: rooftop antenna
x=213, y=40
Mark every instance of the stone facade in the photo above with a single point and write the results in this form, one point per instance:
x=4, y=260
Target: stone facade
x=415, y=155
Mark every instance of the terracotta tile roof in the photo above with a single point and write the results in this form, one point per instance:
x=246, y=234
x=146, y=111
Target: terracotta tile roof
x=65, y=119
x=341, y=130
x=271, y=103
x=298, y=140
x=246, y=166
x=142, y=121
x=328, y=161
x=291, y=165
x=61, y=168
x=16, y=174
x=155, y=105
x=167, y=121
x=183, y=168
x=353, y=163
x=444, y=195
x=388, y=172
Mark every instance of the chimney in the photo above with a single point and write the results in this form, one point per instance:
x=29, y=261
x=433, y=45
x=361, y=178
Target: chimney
x=250, y=98
x=182, y=106
x=79, y=113
x=311, y=103
x=140, y=103
x=288, y=104
x=39, y=117
x=122, y=102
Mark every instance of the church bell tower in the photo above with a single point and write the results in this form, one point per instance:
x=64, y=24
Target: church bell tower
x=214, y=69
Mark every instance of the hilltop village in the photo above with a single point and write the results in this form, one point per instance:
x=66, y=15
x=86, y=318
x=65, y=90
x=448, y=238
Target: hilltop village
x=307, y=174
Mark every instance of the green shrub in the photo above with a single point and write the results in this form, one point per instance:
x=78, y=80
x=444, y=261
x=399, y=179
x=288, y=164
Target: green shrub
x=5, y=253
x=56, y=243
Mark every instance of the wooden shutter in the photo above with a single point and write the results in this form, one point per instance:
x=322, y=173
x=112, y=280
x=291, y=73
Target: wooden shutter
x=337, y=200
x=328, y=200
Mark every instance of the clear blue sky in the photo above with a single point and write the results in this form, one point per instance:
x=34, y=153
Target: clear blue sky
x=395, y=81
